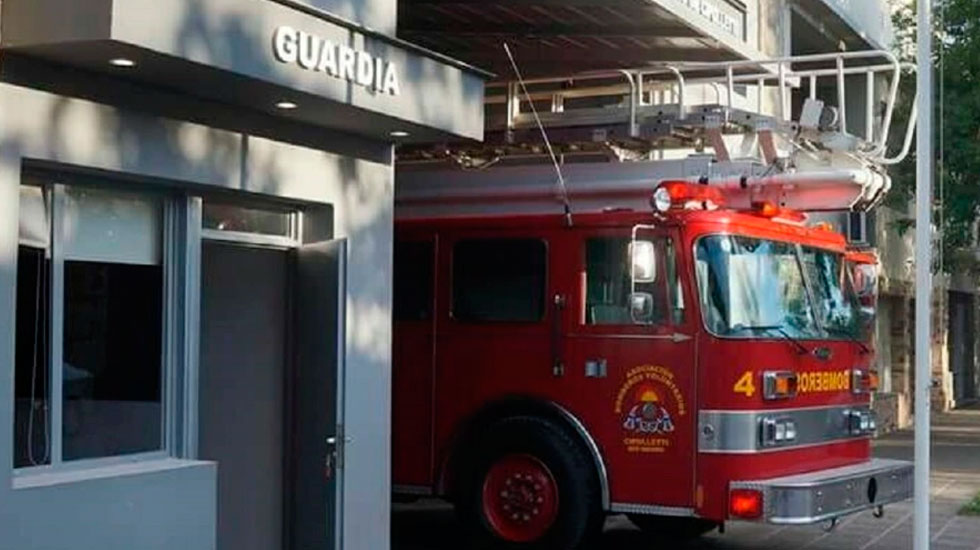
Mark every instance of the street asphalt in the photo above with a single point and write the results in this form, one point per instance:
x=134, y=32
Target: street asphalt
x=428, y=525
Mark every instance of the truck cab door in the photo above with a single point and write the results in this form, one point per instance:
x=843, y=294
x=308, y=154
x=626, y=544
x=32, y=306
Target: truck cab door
x=413, y=363
x=630, y=337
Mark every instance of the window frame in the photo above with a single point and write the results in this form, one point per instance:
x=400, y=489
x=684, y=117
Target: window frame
x=175, y=263
x=670, y=324
x=545, y=279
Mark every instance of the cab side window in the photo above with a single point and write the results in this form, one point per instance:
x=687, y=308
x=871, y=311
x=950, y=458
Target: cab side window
x=499, y=280
x=608, y=284
x=413, y=280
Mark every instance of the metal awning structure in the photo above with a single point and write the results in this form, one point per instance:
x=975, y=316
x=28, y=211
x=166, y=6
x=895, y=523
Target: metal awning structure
x=550, y=37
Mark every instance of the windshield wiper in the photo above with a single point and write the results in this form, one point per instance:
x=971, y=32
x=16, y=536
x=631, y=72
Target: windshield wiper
x=851, y=338
x=778, y=328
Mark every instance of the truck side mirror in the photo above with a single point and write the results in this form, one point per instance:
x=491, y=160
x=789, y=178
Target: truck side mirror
x=643, y=258
x=641, y=307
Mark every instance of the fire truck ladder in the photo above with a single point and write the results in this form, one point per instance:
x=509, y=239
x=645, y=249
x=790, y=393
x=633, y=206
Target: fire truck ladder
x=722, y=123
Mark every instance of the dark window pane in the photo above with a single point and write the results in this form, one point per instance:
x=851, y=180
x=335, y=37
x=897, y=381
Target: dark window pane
x=499, y=280
x=413, y=281
x=112, y=359
x=32, y=427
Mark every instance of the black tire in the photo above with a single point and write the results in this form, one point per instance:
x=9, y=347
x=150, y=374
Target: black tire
x=672, y=528
x=578, y=518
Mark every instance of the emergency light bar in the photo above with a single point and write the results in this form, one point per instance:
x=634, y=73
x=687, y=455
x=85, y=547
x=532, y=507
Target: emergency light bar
x=684, y=195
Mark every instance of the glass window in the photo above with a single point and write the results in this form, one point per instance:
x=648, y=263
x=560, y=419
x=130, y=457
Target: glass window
x=242, y=219
x=105, y=258
x=413, y=280
x=113, y=324
x=112, y=359
x=675, y=289
x=607, y=275
x=32, y=382
x=835, y=302
x=499, y=280
x=751, y=286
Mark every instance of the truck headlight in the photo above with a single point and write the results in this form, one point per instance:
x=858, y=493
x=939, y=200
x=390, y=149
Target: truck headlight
x=777, y=431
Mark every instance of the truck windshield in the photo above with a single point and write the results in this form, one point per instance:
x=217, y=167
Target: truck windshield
x=749, y=284
x=836, y=304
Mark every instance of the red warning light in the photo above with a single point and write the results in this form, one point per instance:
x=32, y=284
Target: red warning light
x=745, y=503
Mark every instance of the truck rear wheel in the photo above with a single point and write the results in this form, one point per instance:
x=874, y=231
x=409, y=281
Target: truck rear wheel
x=530, y=486
x=672, y=528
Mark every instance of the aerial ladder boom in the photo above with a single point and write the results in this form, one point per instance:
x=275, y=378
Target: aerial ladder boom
x=728, y=124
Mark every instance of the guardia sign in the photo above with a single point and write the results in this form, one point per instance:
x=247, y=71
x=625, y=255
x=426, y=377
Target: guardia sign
x=312, y=53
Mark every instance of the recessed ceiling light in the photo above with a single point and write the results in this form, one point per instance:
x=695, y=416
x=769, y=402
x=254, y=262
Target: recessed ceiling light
x=286, y=105
x=398, y=134
x=122, y=62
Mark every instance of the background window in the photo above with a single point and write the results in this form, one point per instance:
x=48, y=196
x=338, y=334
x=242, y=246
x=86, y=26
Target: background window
x=113, y=324
x=499, y=280
x=32, y=375
x=100, y=271
x=413, y=280
x=112, y=359
x=607, y=275
x=243, y=219
x=32, y=422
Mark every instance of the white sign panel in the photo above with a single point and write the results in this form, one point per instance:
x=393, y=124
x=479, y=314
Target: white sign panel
x=721, y=14
x=312, y=53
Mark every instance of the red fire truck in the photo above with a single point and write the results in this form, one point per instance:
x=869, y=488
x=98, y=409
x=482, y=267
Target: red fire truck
x=686, y=351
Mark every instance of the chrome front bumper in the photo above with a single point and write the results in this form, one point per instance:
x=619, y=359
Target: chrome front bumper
x=828, y=494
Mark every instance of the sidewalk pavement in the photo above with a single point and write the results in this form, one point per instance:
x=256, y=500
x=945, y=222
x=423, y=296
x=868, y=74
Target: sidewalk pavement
x=428, y=525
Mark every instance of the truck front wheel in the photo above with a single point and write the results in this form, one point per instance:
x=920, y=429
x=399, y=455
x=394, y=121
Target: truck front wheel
x=530, y=486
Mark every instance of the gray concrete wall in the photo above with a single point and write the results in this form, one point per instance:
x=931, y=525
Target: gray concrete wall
x=380, y=15
x=158, y=509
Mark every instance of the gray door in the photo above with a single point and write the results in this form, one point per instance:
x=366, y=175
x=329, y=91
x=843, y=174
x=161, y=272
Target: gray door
x=316, y=450
x=244, y=351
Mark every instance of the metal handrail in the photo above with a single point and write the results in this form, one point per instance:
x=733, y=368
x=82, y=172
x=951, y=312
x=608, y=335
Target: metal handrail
x=778, y=69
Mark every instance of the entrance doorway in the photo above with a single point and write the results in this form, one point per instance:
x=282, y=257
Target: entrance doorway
x=270, y=353
x=242, y=415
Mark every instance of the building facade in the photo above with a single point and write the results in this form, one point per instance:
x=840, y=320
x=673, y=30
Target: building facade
x=195, y=267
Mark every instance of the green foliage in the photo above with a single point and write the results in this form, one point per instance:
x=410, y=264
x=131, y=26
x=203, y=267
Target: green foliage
x=956, y=39
x=971, y=508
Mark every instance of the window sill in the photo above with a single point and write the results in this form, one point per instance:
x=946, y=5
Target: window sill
x=29, y=480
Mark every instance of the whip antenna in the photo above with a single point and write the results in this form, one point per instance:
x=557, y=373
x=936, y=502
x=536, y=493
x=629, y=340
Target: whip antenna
x=544, y=135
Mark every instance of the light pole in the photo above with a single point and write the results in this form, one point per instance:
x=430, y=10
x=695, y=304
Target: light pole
x=923, y=275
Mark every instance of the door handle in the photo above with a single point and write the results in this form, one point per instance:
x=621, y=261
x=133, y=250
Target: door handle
x=557, y=364
x=334, y=459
